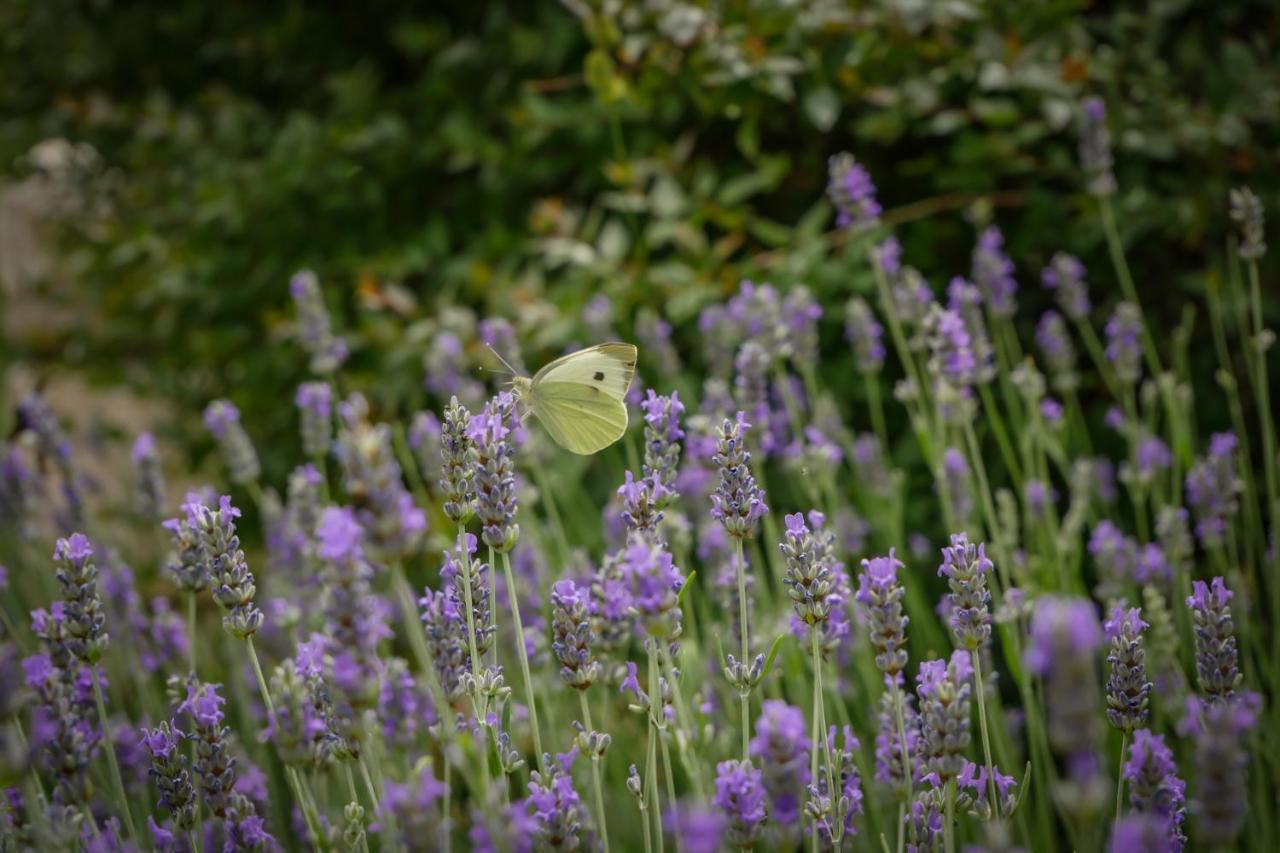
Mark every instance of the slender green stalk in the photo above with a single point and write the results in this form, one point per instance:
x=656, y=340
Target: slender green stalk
x=192, y=631
x=815, y=732
x=979, y=687
x=837, y=824
x=949, y=829
x=602, y=817
x=1001, y=434
x=651, y=770
x=900, y=713
x=353, y=793
x=1124, y=741
x=523, y=653
x=876, y=405
x=744, y=692
x=446, y=810
x=117, y=781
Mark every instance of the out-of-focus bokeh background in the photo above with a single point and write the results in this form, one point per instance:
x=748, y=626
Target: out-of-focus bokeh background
x=164, y=169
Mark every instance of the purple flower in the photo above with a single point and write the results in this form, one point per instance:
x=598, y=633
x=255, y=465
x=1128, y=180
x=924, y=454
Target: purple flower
x=222, y=419
x=413, y=805
x=1059, y=353
x=1154, y=787
x=966, y=567
x=738, y=503
x=642, y=502
x=662, y=437
x=230, y=580
x=880, y=593
x=315, y=409
x=1064, y=638
x=214, y=764
x=327, y=352
x=972, y=783
x=371, y=476
x=1247, y=214
x=1124, y=342
x=654, y=582
x=965, y=298
x=993, y=273
x=782, y=748
x=571, y=631
x=851, y=190
x=446, y=370
x=1065, y=277
x=1115, y=555
x=865, y=335
x=1095, y=148
x=354, y=620
x=459, y=571
x=740, y=796
x=943, y=689
x=171, y=774
x=555, y=805
x=1217, y=659
x=148, y=478
x=888, y=256
x=1220, y=733
x=951, y=356
x=500, y=336
x=957, y=485
x=889, y=740
x=809, y=579
x=698, y=828
x=495, y=478
x=1213, y=489
x=82, y=604
x=1128, y=691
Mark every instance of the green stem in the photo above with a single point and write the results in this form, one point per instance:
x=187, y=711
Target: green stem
x=744, y=691
x=651, y=770
x=876, y=405
x=602, y=821
x=815, y=732
x=1124, y=741
x=979, y=687
x=949, y=830
x=117, y=781
x=523, y=653
x=192, y=631
x=837, y=822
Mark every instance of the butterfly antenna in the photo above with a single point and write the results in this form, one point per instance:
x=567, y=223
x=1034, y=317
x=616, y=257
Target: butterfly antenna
x=499, y=357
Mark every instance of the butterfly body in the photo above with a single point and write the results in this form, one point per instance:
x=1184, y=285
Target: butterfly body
x=580, y=397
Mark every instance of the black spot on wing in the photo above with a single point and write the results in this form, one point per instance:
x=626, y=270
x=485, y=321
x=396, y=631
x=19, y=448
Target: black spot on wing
x=599, y=377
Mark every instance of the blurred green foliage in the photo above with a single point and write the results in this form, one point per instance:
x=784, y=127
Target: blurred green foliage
x=522, y=157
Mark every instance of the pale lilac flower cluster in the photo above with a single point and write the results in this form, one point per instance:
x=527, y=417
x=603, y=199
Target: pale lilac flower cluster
x=315, y=332
x=222, y=419
x=1065, y=276
x=993, y=273
x=1213, y=489
x=850, y=189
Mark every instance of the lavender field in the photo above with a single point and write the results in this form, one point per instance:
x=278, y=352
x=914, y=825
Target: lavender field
x=983, y=562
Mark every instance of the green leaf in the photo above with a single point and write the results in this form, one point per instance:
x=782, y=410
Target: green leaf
x=773, y=653
x=688, y=582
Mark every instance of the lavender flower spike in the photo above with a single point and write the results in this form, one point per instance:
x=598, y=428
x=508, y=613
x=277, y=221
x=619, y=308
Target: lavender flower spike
x=880, y=592
x=572, y=634
x=1128, y=691
x=808, y=579
x=1247, y=214
x=458, y=462
x=495, y=473
x=966, y=567
x=865, y=334
x=169, y=770
x=555, y=805
x=782, y=747
x=230, y=579
x=851, y=190
x=315, y=410
x=82, y=603
x=943, y=690
x=222, y=419
x=1217, y=660
x=993, y=273
x=1124, y=342
x=662, y=437
x=737, y=503
x=1065, y=277
x=148, y=478
x=1154, y=786
x=1065, y=635
x=327, y=351
x=1095, y=148
x=740, y=798
x=1220, y=732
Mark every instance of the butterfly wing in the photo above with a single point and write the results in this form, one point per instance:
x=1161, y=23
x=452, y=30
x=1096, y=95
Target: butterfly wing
x=609, y=367
x=580, y=416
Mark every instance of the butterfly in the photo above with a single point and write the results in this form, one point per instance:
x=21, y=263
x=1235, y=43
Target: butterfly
x=579, y=397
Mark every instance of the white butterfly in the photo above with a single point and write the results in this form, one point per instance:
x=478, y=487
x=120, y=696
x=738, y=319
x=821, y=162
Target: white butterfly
x=579, y=397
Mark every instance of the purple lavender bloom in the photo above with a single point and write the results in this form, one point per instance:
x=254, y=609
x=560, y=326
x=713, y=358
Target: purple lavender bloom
x=880, y=593
x=738, y=503
x=445, y=628
x=149, y=497
x=458, y=463
x=327, y=352
x=889, y=741
x=972, y=784
x=1039, y=497
x=354, y=622
x=1095, y=148
x=698, y=828
x=800, y=316
x=1059, y=353
x=1115, y=555
x=82, y=604
x=1051, y=410
x=555, y=805
x=1151, y=458
x=851, y=190
x=459, y=570
x=809, y=579
x=1128, y=690
x=18, y=490
x=572, y=633
x=1065, y=277
x=654, y=581
x=1151, y=565
x=782, y=747
x=1217, y=659
x=495, y=476
x=372, y=477
x=222, y=419
x=171, y=774
x=597, y=319
x=943, y=689
x=1247, y=214
x=315, y=410
x=662, y=437
x=642, y=502
x=413, y=806
x=864, y=334
x=1065, y=636
x=1154, y=787
x=966, y=567
x=1124, y=342
x=951, y=355
x=1213, y=489
x=231, y=582
x=869, y=465
x=426, y=440
x=966, y=299
x=1173, y=533
x=740, y=796
x=957, y=484
x=214, y=764
x=1220, y=733
x=993, y=273
x=1145, y=832
x=446, y=370
x=887, y=256
x=500, y=336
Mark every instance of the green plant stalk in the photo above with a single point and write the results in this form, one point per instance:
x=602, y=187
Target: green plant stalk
x=446, y=808
x=192, y=631
x=815, y=732
x=744, y=692
x=1124, y=741
x=477, y=706
x=909, y=366
x=979, y=687
x=949, y=828
x=1001, y=434
x=602, y=818
x=309, y=813
x=523, y=654
x=685, y=726
x=876, y=405
x=651, y=770
x=353, y=794
x=837, y=828
x=900, y=715
x=1267, y=418
x=117, y=781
